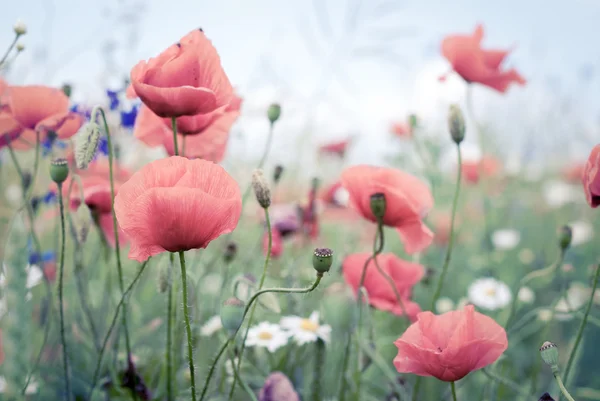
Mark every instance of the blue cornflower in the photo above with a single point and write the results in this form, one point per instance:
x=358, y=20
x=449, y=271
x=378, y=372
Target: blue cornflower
x=81, y=110
x=49, y=198
x=113, y=97
x=103, y=145
x=128, y=117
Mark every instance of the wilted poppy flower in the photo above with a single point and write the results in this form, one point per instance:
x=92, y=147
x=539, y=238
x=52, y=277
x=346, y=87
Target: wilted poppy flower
x=278, y=387
x=185, y=80
x=451, y=345
x=97, y=196
x=176, y=204
x=474, y=64
x=408, y=201
x=381, y=296
x=473, y=171
x=337, y=148
x=591, y=179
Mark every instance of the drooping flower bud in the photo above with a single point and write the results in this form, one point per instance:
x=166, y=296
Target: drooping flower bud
x=549, y=353
x=322, y=260
x=230, y=252
x=456, y=124
x=59, y=170
x=274, y=112
x=261, y=189
x=565, y=235
x=378, y=205
x=277, y=172
x=20, y=28
x=26, y=180
x=232, y=314
x=86, y=144
x=83, y=222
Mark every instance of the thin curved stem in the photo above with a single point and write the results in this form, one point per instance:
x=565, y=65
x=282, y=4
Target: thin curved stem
x=260, y=285
x=188, y=328
x=112, y=327
x=394, y=288
x=211, y=371
x=440, y=284
x=61, y=271
x=342, y=389
x=562, y=387
x=168, y=358
x=237, y=376
x=581, y=327
x=453, y=387
x=174, y=128
x=12, y=45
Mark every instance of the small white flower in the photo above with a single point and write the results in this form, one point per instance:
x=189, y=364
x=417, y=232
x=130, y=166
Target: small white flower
x=444, y=304
x=526, y=295
x=268, y=335
x=34, y=276
x=558, y=193
x=211, y=326
x=505, y=239
x=14, y=194
x=2, y=384
x=341, y=196
x=32, y=387
x=577, y=295
x=526, y=256
x=544, y=314
x=489, y=293
x=582, y=232
x=20, y=28
x=229, y=366
x=306, y=330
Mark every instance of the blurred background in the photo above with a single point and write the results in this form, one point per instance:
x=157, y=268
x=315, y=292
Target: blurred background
x=340, y=68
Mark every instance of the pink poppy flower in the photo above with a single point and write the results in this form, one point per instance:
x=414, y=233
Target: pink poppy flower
x=451, y=345
x=185, y=80
x=474, y=64
x=337, y=148
x=176, y=204
x=10, y=129
x=402, y=130
x=591, y=179
x=487, y=167
x=408, y=201
x=381, y=296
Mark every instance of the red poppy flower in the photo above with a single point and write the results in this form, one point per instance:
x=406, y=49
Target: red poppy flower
x=176, y=204
x=402, y=130
x=381, y=296
x=185, y=80
x=591, y=179
x=487, y=167
x=451, y=345
x=408, y=201
x=337, y=148
x=474, y=64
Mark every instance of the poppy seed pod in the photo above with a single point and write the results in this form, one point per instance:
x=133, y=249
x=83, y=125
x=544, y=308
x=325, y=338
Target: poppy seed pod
x=86, y=144
x=456, y=124
x=322, y=260
x=277, y=173
x=230, y=252
x=261, y=189
x=274, y=112
x=565, y=235
x=378, y=205
x=549, y=353
x=232, y=314
x=59, y=170
x=20, y=28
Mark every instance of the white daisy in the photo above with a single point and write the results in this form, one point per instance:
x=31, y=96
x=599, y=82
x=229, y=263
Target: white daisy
x=489, y=293
x=306, y=330
x=268, y=335
x=526, y=295
x=211, y=326
x=558, y=193
x=444, y=304
x=506, y=239
x=582, y=232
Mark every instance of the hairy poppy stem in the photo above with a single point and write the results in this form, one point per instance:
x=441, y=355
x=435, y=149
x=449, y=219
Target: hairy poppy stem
x=61, y=271
x=318, y=373
x=453, y=387
x=260, y=285
x=188, y=328
x=238, y=377
x=580, y=331
x=168, y=357
x=174, y=127
x=562, y=387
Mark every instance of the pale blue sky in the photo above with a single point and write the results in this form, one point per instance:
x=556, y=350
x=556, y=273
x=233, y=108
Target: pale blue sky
x=335, y=71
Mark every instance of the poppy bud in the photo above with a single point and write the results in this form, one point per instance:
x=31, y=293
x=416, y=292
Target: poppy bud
x=26, y=181
x=230, y=252
x=59, y=170
x=261, y=189
x=232, y=314
x=322, y=260
x=274, y=112
x=67, y=89
x=546, y=397
x=83, y=222
x=378, y=205
x=456, y=124
x=549, y=353
x=277, y=173
x=20, y=47
x=86, y=144
x=20, y=28
x=565, y=235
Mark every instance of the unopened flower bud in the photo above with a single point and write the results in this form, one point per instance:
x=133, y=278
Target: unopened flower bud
x=67, y=89
x=20, y=28
x=565, y=235
x=86, y=144
x=456, y=124
x=322, y=260
x=26, y=180
x=261, y=189
x=378, y=205
x=83, y=222
x=232, y=314
x=277, y=173
x=549, y=353
x=164, y=278
x=274, y=112
x=20, y=47
x=546, y=397
x=230, y=252
x=59, y=170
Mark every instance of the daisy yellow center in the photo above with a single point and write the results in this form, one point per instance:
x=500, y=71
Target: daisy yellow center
x=490, y=292
x=265, y=335
x=309, y=325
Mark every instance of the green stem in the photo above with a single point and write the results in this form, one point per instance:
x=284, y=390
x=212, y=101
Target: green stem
x=453, y=387
x=260, y=286
x=382, y=364
x=394, y=288
x=581, y=327
x=188, y=328
x=318, y=369
x=169, y=361
x=12, y=45
x=174, y=128
x=512, y=385
x=562, y=387
x=112, y=327
x=440, y=284
x=239, y=378
x=211, y=371
x=342, y=389
x=61, y=269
